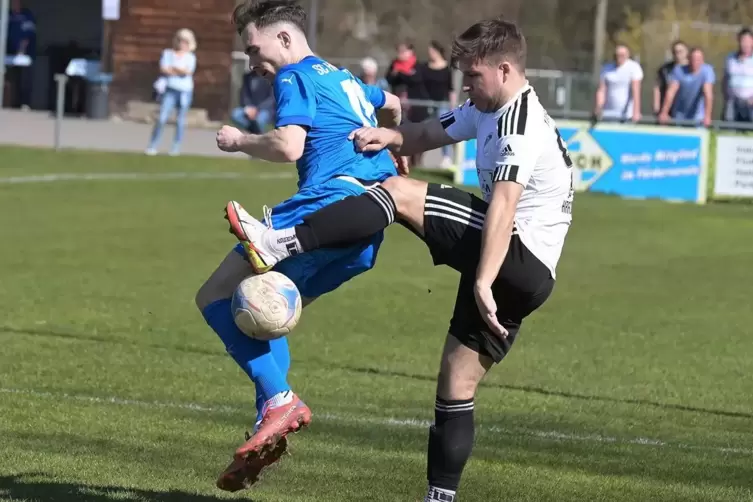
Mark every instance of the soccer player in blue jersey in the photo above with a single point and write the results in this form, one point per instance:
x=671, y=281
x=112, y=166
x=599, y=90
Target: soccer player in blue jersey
x=318, y=106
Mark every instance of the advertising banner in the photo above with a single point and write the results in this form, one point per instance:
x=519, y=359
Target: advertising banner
x=668, y=163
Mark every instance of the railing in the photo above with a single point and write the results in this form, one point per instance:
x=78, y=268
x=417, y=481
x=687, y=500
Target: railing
x=565, y=95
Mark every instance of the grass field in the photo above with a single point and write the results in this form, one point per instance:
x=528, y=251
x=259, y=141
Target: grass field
x=633, y=383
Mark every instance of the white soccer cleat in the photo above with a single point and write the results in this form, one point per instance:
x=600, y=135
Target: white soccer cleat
x=251, y=233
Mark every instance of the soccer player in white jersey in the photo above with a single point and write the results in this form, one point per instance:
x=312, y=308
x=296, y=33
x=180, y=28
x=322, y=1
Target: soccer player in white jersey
x=506, y=246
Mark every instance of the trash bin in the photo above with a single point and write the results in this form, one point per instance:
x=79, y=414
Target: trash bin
x=98, y=96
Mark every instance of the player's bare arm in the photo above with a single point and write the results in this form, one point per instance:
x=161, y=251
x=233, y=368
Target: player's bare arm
x=495, y=241
x=407, y=139
x=283, y=144
x=391, y=113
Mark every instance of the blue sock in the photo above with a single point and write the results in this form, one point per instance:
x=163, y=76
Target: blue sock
x=255, y=357
x=281, y=353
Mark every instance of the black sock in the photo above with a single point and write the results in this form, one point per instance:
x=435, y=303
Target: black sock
x=347, y=221
x=450, y=445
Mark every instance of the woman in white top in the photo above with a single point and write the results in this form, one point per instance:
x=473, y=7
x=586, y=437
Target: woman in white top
x=175, y=87
x=619, y=94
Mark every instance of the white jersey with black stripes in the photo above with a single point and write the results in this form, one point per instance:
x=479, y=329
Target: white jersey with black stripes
x=520, y=143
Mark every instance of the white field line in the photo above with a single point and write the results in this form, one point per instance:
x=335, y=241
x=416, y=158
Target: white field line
x=142, y=176
x=380, y=421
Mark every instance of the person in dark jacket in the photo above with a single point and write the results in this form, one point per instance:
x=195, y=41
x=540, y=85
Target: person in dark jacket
x=257, y=105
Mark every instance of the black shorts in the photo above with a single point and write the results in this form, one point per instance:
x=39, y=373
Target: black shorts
x=453, y=220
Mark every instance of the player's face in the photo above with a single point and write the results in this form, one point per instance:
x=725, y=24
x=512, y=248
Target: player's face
x=481, y=81
x=265, y=50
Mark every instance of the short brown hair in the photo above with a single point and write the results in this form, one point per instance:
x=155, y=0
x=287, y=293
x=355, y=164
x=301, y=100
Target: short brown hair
x=491, y=39
x=268, y=12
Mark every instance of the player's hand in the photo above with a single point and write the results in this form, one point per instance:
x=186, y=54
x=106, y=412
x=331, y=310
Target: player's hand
x=372, y=139
x=488, y=308
x=229, y=138
x=402, y=164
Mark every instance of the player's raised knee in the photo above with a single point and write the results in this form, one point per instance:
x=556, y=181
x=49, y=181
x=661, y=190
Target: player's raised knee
x=408, y=195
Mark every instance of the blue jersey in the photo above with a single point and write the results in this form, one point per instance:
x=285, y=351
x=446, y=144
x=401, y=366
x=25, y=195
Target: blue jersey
x=330, y=103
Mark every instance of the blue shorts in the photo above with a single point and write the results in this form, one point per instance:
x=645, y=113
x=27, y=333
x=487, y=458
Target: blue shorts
x=322, y=270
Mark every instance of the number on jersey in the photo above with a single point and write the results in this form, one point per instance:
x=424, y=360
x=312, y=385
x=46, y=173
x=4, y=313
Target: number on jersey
x=363, y=109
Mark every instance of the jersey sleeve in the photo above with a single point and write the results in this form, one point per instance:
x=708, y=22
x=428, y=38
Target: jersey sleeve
x=516, y=159
x=374, y=94
x=296, y=99
x=461, y=123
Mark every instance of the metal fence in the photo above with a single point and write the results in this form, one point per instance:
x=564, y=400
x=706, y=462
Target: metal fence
x=559, y=91
x=565, y=95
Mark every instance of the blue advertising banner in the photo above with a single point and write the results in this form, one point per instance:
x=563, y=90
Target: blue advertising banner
x=666, y=163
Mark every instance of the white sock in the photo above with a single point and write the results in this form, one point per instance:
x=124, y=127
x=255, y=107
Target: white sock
x=280, y=399
x=283, y=243
x=439, y=495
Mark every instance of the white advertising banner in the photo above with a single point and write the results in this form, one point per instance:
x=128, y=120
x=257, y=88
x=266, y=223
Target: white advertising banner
x=734, y=166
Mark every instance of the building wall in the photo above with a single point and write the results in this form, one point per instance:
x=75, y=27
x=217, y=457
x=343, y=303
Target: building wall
x=146, y=27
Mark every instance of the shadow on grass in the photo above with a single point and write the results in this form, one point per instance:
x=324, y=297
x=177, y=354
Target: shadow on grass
x=547, y=392
x=36, y=486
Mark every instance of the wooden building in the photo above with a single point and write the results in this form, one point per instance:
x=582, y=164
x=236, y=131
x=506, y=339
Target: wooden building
x=146, y=27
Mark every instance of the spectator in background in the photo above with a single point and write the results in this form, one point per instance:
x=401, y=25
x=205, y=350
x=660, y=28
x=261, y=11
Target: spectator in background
x=369, y=74
x=257, y=104
x=436, y=77
x=738, y=80
x=690, y=93
x=22, y=41
x=175, y=88
x=618, y=96
x=400, y=67
x=679, y=58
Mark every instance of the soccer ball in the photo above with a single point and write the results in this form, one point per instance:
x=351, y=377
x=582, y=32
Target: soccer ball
x=266, y=306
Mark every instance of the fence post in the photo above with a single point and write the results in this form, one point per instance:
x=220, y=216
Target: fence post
x=61, y=80
x=4, y=8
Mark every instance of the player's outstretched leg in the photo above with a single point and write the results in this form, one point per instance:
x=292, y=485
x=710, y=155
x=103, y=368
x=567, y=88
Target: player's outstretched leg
x=451, y=436
x=340, y=224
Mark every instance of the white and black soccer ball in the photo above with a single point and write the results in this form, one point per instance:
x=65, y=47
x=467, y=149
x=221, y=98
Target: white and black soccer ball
x=266, y=306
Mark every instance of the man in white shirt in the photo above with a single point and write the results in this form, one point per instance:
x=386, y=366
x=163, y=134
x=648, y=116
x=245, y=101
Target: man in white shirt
x=738, y=80
x=618, y=96
x=506, y=246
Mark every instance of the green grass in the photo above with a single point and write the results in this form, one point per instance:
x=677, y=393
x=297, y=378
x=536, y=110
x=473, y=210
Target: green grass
x=633, y=383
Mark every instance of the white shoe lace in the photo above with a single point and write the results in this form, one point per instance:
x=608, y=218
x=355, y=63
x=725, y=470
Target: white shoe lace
x=267, y=216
